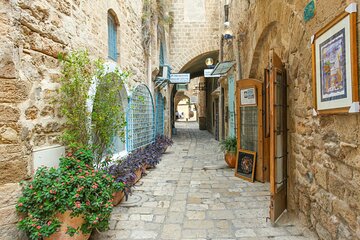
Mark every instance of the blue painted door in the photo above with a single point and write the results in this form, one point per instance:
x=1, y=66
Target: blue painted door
x=231, y=95
x=159, y=114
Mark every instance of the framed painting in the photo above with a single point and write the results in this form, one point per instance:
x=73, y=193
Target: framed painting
x=248, y=97
x=245, y=165
x=334, y=64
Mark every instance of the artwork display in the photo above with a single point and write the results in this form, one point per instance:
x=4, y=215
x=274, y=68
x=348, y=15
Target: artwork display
x=248, y=97
x=245, y=165
x=334, y=66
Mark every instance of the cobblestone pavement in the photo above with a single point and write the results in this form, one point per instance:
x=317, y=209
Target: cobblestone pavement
x=179, y=199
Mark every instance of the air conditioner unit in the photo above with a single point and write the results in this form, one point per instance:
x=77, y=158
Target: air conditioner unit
x=164, y=72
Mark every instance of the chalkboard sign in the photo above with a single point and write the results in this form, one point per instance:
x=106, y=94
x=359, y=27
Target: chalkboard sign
x=245, y=165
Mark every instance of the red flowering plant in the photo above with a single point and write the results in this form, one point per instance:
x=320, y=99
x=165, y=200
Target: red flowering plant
x=74, y=186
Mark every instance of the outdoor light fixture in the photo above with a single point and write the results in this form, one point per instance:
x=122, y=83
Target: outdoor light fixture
x=209, y=62
x=227, y=30
x=228, y=34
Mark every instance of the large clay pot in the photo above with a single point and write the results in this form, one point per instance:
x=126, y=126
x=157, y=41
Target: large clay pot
x=230, y=159
x=66, y=221
x=118, y=197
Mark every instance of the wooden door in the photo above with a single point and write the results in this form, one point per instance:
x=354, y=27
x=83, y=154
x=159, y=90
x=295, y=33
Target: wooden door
x=266, y=120
x=250, y=124
x=278, y=137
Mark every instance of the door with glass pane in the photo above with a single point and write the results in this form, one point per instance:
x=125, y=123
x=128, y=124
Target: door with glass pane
x=250, y=122
x=278, y=137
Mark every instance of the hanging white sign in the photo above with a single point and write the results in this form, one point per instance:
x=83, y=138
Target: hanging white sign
x=179, y=78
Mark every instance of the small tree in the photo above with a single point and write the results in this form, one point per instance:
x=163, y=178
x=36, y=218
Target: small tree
x=96, y=128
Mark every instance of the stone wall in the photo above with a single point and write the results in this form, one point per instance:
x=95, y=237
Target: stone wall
x=324, y=163
x=32, y=35
x=195, y=30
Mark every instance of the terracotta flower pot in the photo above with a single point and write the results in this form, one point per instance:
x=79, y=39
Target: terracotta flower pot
x=118, y=197
x=67, y=220
x=230, y=159
x=138, y=173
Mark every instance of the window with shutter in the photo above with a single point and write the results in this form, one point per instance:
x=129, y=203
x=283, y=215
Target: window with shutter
x=112, y=36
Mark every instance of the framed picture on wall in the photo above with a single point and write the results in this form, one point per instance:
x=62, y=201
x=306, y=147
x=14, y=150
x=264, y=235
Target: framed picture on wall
x=245, y=165
x=248, y=97
x=334, y=64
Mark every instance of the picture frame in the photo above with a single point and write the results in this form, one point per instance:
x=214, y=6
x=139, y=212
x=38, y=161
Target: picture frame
x=335, y=65
x=248, y=97
x=245, y=165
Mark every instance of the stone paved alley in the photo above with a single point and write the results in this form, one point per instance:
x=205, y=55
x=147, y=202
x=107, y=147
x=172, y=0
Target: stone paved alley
x=180, y=199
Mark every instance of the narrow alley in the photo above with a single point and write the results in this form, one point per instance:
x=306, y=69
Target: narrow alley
x=192, y=194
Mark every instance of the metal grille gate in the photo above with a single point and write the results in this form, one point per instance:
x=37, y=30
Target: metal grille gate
x=140, y=119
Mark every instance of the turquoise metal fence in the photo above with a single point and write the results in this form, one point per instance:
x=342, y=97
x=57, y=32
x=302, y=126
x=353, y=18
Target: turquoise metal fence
x=140, y=117
x=159, y=114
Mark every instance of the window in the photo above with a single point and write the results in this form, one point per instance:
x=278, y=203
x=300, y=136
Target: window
x=112, y=37
x=161, y=55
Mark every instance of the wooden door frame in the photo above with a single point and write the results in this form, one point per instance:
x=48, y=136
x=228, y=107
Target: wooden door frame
x=258, y=85
x=277, y=196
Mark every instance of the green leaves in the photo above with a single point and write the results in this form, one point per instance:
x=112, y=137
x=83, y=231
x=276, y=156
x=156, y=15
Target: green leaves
x=74, y=186
x=107, y=119
x=229, y=145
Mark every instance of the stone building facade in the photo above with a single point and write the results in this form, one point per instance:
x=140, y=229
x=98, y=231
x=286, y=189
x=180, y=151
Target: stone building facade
x=32, y=35
x=195, y=30
x=323, y=172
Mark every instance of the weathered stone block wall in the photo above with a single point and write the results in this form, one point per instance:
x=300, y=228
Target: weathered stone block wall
x=324, y=164
x=32, y=33
x=192, y=37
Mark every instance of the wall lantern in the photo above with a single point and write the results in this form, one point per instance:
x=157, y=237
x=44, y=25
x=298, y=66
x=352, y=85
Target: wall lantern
x=209, y=62
x=228, y=34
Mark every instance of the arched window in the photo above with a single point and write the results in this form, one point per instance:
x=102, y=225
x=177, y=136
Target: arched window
x=112, y=36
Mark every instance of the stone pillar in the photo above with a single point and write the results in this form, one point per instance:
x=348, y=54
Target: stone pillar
x=202, y=104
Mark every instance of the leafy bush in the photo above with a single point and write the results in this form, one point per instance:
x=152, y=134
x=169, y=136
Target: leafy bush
x=107, y=119
x=74, y=186
x=229, y=145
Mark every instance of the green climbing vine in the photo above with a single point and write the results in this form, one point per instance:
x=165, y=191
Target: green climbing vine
x=107, y=119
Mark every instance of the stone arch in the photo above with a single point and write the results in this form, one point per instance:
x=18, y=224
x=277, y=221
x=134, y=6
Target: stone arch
x=276, y=27
x=109, y=68
x=193, y=52
x=113, y=14
x=259, y=48
x=180, y=95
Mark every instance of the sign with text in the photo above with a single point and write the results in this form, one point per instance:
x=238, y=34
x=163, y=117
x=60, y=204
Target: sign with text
x=207, y=73
x=180, y=78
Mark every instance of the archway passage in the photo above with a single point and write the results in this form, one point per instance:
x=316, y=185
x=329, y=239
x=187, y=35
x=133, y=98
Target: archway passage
x=197, y=92
x=197, y=65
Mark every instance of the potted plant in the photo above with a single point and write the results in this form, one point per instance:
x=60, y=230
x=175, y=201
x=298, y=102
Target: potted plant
x=163, y=142
x=67, y=202
x=229, y=147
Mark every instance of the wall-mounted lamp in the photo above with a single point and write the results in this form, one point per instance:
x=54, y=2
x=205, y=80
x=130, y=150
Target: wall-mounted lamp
x=209, y=62
x=228, y=34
